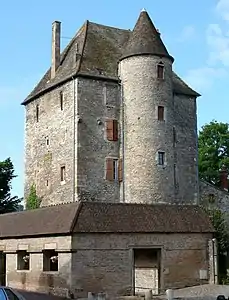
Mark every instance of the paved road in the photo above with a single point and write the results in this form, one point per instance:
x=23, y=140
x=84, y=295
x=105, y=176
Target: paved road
x=38, y=296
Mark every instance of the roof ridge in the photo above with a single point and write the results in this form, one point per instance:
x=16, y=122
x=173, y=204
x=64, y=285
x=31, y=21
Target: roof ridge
x=109, y=26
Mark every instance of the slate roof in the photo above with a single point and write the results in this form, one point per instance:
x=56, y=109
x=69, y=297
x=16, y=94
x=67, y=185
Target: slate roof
x=98, y=217
x=95, y=51
x=145, y=39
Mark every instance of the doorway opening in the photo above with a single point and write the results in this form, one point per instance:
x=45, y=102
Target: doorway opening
x=147, y=270
x=2, y=268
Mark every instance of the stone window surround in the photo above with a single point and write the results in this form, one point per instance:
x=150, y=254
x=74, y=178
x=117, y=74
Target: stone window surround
x=160, y=68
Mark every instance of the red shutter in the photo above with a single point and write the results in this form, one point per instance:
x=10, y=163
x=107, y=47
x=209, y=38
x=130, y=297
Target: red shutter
x=110, y=169
x=120, y=170
x=109, y=130
x=115, y=130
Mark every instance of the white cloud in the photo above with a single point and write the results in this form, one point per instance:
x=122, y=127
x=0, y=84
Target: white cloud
x=202, y=78
x=222, y=8
x=217, y=60
x=218, y=43
x=188, y=33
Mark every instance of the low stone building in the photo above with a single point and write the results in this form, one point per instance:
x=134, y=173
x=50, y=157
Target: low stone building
x=120, y=249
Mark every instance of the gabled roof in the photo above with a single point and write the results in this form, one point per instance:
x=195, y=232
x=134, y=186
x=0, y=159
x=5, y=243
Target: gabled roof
x=145, y=39
x=95, y=51
x=99, y=217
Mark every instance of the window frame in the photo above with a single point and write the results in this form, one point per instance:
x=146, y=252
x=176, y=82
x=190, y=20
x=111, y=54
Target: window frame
x=47, y=264
x=161, y=158
x=160, y=67
x=161, y=112
x=20, y=255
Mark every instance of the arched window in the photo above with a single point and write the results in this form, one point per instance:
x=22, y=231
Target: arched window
x=160, y=70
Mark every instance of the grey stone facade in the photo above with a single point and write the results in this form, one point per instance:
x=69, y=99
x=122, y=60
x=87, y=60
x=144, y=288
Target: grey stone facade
x=82, y=267
x=70, y=132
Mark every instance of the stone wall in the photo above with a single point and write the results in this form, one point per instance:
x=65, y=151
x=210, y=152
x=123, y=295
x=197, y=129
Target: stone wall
x=186, y=149
x=36, y=279
x=49, y=144
x=104, y=262
x=212, y=196
x=97, y=101
x=144, y=135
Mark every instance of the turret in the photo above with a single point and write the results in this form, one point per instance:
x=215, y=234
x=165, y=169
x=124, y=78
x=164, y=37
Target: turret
x=145, y=71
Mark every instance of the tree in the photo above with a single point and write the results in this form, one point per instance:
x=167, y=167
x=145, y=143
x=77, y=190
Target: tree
x=218, y=219
x=213, y=144
x=33, y=201
x=7, y=202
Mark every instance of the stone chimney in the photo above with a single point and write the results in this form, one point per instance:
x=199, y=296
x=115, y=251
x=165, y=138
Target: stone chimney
x=224, y=178
x=55, y=47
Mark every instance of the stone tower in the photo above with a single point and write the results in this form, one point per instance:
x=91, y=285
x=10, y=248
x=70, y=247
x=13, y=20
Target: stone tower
x=149, y=143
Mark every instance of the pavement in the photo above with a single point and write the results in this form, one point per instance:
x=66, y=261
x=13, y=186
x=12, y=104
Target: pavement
x=38, y=296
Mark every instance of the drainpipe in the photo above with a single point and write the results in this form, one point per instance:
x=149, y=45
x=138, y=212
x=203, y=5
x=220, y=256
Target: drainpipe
x=122, y=139
x=74, y=139
x=215, y=261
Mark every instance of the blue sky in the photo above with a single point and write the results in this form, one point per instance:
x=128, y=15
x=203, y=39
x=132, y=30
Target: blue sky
x=195, y=32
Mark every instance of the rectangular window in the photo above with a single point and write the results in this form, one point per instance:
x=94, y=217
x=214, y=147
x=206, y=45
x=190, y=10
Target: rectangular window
x=112, y=130
x=160, y=71
x=61, y=101
x=23, y=258
x=160, y=113
x=62, y=174
x=161, y=158
x=37, y=113
x=50, y=261
x=114, y=169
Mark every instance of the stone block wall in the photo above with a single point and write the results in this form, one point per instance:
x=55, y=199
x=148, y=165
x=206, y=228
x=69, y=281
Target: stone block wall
x=35, y=279
x=104, y=262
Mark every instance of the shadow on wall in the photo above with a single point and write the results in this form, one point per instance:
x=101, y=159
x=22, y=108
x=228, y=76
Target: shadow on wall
x=51, y=283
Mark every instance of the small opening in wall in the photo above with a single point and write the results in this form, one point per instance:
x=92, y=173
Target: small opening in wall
x=62, y=173
x=37, y=113
x=160, y=113
x=160, y=70
x=161, y=158
x=50, y=260
x=23, y=258
x=61, y=101
x=47, y=141
x=47, y=182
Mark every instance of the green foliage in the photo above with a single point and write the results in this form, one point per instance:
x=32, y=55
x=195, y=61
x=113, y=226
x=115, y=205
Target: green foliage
x=33, y=201
x=218, y=219
x=213, y=144
x=7, y=203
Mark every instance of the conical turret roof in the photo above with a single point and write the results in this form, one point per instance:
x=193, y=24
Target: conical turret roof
x=145, y=39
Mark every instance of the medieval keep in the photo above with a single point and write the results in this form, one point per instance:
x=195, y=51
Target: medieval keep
x=111, y=147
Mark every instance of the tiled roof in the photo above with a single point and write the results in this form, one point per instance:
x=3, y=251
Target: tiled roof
x=145, y=39
x=95, y=217
x=95, y=50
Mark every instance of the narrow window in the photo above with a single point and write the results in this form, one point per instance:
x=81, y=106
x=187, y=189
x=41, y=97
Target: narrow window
x=112, y=130
x=47, y=182
x=174, y=137
x=62, y=174
x=175, y=177
x=50, y=261
x=113, y=169
x=37, y=113
x=160, y=113
x=160, y=71
x=61, y=101
x=47, y=141
x=23, y=260
x=161, y=158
